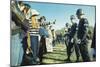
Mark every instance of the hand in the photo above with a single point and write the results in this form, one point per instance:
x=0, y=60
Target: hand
x=79, y=41
x=72, y=40
x=28, y=50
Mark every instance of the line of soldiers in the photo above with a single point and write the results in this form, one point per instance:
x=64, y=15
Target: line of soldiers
x=77, y=37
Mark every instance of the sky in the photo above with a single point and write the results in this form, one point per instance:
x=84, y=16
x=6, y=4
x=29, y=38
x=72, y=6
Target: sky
x=62, y=12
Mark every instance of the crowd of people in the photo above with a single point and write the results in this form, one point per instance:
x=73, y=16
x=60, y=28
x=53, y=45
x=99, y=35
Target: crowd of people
x=31, y=37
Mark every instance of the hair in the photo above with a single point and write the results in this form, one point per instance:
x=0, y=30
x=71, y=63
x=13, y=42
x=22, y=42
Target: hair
x=27, y=6
x=42, y=17
x=20, y=2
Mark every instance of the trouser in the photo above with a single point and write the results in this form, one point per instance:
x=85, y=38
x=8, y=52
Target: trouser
x=24, y=42
x=35, y=46
x=53, y=42
x=83, y=46
x=94, y=54
x=42, y=48
x=70, y=48
x=49, y=45
x=16, y=50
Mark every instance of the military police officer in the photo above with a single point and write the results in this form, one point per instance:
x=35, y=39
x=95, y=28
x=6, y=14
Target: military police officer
x=72, y=39
x=82, y=35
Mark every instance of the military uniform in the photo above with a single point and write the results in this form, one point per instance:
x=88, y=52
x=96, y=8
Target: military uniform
x=72, y=42
x=82, y=37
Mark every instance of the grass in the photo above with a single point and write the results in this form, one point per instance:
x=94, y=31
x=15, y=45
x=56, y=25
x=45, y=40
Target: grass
x=58, y=55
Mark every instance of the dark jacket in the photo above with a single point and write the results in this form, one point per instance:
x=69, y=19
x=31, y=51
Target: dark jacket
x=73, y=30
x=82, y=29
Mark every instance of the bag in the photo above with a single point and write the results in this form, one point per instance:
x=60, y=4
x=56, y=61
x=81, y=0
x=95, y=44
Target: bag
x=28, y=58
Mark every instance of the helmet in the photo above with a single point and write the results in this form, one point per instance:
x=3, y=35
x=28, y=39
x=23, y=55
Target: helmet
x=79, y=12
x=67, y=24
x=72, y=17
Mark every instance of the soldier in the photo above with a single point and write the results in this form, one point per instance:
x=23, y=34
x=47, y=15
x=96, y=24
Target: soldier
x=72, y=39
x=66, y=35
x=82, y=35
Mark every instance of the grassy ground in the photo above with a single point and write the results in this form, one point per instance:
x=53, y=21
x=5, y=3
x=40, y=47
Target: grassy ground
x=58, y=55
